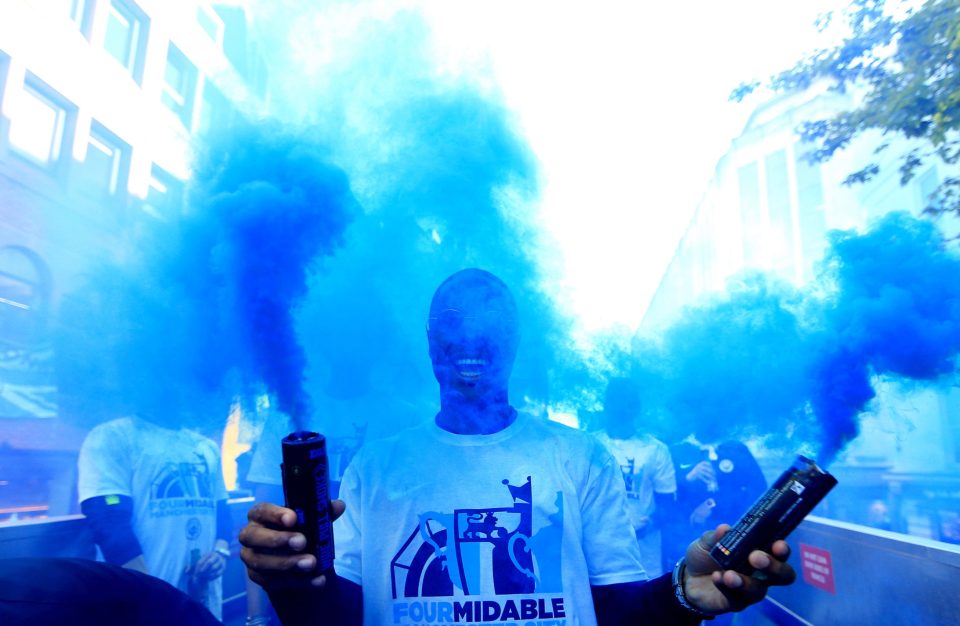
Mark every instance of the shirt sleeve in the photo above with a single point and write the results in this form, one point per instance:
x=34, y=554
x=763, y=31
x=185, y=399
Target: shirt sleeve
x=609, y=543
x=665, y=477
x=104, y=467
x=346, y=530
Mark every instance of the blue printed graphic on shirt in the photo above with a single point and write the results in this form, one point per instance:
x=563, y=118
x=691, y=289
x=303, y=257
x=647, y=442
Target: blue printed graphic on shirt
x=182, y=489
x=451, y=553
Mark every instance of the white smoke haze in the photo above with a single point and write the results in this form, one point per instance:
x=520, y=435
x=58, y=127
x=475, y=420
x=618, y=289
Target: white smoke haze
x=624, y=105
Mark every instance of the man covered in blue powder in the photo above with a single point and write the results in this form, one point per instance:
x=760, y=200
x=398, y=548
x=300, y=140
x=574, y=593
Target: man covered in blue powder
x=487, y=515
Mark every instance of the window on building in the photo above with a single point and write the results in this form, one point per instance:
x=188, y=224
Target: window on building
x=211, y=23
x=15, y=296
x=24, y=297
x=778, y=187
x=77, y=10
x=751, y=218
x=179, y=85
x=39, y=124
x=104, y=171
x=809, y=182
x=813, y=224
x=126, y=36
x=748, y=180
x=778, y=207
x=165, y=194
x=27, y=377
x=214, y=108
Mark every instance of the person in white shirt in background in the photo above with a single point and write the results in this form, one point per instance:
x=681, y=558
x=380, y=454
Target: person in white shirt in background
x=155, y=499
x=646, y=465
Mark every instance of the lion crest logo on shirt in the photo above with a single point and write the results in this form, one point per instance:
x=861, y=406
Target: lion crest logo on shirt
x=461, y=551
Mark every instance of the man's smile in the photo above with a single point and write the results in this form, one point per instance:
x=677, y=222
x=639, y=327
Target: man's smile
x=470, y=369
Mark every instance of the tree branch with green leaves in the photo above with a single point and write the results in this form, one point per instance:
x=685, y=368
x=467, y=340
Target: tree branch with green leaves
x=905, y=60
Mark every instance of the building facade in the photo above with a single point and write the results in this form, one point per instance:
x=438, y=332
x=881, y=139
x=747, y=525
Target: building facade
x=101, y=103
x=768, y=209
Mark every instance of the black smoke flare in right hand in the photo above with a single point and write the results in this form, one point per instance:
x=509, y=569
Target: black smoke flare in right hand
x=306, y=490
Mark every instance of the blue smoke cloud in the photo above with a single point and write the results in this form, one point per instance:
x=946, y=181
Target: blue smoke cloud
x=734, y=366
x=276, y=206
x=226, y=300
x=448, y=205
x=443, y=181
x=200, y=311
x=798, y=367
x=894, y=311
x=446, y=182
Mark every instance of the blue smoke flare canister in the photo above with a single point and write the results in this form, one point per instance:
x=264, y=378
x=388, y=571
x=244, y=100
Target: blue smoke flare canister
x=775, y=515
x=306, y=490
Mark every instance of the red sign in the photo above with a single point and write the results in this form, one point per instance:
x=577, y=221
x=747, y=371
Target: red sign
x=817, y=567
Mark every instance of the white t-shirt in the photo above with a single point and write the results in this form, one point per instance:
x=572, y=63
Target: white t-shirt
x=647, y=468
x=174, y=479
x=512, y=527
x=265, y=464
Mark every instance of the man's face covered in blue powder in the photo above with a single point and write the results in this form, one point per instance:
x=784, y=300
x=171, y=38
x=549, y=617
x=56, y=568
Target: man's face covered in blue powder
x=473, y=335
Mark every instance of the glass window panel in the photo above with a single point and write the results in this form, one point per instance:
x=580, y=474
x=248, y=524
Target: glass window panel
x=210, y=23
x=36, y=129
x=175, y=77
x=179, y=87
x=164, y=194
x=809, y=183
x=77, y=10
x=214, y=108
x=122, y=35
x=778, y=207
x=102, y=165
x=158, y=195
x=16, y=296
x=748, y=179
x=813, y=223
x=749, y=184
x=74, y=9
x=778, y=188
